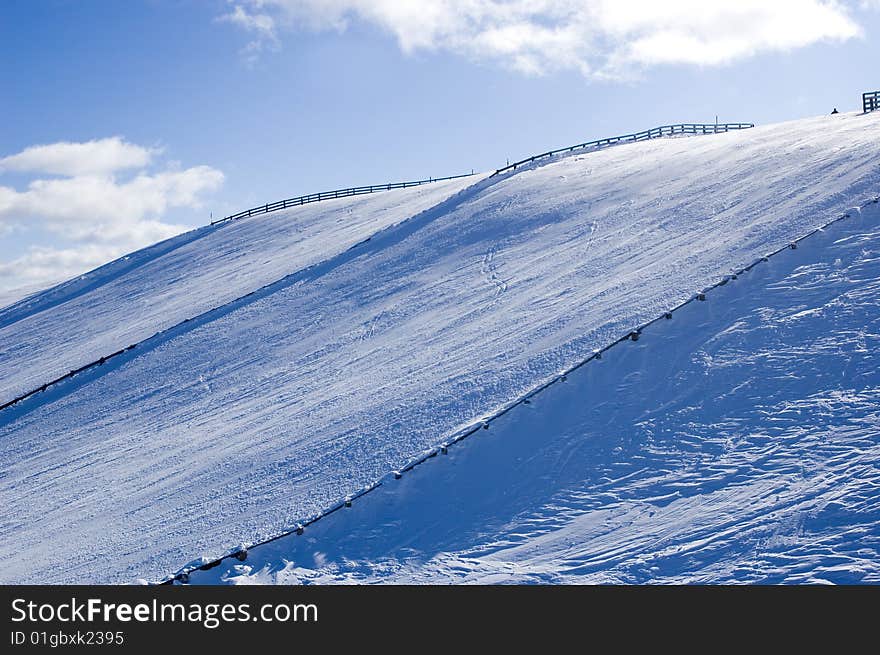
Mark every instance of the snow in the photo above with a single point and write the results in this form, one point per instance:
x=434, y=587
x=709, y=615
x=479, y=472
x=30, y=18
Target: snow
x=234, y=427
x=19, y=294
x=737, y=443
x=182, y=277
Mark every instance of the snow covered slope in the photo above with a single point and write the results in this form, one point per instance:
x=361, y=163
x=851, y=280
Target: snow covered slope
x=738, y=442
x=125, y=301
x=19, y=294
x=232, y=428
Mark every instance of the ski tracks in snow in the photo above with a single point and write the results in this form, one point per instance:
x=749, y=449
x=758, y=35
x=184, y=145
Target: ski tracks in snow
x=489, y=270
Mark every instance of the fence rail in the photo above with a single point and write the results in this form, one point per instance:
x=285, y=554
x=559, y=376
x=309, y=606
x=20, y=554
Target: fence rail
x=870, y=101
x=329, y=195
x=663, y=130
x=654, y=133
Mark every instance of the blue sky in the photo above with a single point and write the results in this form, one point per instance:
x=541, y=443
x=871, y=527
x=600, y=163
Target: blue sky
x=182, y=108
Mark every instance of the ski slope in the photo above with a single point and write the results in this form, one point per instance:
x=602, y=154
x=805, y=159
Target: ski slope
x=182, y=277
x=231, y=428
x=19, y=294
x=738, y=442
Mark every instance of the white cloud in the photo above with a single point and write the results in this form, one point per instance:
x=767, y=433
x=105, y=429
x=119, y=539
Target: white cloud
x=260, y=23
x=94, y=211
x=599, y=38
x=103, y=208
x=97, y=157
x=42, y=265
x=262, y=26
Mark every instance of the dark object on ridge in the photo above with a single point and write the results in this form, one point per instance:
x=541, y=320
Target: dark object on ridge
x=835, y=111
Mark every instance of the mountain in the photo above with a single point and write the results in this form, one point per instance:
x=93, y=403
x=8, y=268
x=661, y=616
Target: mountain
x=332, y=344
x=737, y=442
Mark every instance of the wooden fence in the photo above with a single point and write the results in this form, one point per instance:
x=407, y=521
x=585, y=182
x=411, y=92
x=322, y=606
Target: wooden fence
x=329, y=195
x=654, y=133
